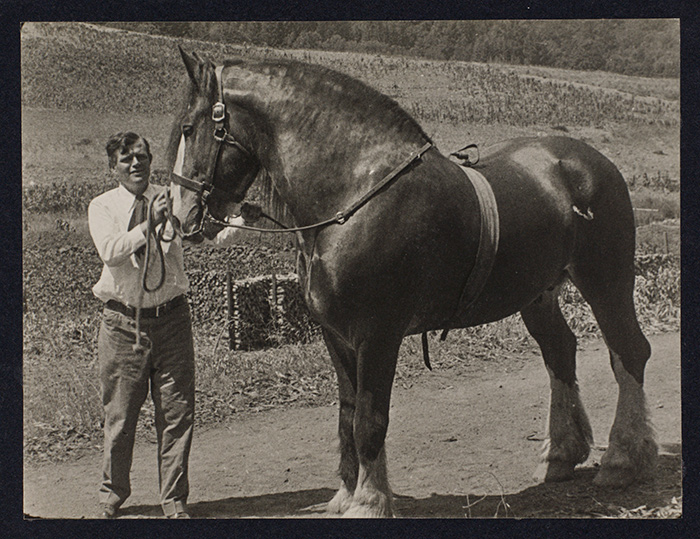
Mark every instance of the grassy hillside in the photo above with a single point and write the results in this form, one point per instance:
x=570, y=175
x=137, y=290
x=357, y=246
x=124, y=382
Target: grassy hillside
x=125, y=72
x=105, y=80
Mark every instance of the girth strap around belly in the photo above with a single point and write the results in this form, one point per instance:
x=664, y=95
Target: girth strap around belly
x=485, y=256
x=488, y=246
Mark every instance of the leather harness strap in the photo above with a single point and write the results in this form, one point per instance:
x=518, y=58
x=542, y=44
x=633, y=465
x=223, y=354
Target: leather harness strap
x=488, y=244
x=485, y=256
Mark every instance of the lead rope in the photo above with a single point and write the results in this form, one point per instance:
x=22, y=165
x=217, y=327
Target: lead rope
x=151, y=234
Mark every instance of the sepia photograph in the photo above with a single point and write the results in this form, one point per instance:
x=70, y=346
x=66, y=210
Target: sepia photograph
x=417, y=269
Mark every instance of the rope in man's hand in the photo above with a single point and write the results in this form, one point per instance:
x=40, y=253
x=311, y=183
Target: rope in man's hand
x=157, y=219
x=153, y=232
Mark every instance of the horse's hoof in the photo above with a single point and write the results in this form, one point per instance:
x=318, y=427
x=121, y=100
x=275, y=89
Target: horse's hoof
x=619, y=469
x=341, y=502
x=552, y=471
x=357, y=510
x=615, y=477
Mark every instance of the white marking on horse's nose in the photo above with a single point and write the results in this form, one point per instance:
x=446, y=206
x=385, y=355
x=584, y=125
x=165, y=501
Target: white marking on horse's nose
x=180, y=159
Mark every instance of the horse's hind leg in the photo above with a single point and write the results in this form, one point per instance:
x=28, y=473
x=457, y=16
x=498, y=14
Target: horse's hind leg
x=607, y=285
x=569, y=434
x=345, y=363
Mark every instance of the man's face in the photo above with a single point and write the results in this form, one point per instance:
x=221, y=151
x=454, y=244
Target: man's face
x=133, y=168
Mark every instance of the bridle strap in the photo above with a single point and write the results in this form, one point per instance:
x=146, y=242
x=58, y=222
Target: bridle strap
x=342, y=216
x=218, y=71
x=221, y=135
x=192, y=185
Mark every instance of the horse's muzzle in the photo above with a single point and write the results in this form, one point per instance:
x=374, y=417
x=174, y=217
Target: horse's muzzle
x=191, y=228
x=197, y=237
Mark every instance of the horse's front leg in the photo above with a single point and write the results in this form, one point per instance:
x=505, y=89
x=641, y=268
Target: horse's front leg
x=376, y=368
x=345, y=364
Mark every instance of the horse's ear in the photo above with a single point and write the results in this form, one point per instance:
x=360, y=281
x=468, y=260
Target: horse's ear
x=204, y=60
x=192, y=63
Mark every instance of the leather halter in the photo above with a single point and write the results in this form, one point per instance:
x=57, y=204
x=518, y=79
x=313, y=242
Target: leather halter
x=221, y=136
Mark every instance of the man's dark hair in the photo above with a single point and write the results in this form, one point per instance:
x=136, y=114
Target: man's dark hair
x=120, y=142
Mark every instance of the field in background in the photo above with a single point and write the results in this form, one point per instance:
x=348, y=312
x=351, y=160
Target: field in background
x=111, y=80
x=80, y=85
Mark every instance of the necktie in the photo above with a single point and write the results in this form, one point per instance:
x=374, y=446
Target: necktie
x=138, y=216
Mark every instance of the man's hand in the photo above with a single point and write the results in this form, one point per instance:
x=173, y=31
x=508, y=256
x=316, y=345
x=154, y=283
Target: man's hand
x=251, y=213
x=159, y=208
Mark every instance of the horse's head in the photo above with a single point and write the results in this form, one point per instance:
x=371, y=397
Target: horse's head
x=215, y=163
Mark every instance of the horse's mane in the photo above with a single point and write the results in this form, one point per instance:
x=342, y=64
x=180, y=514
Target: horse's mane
x=338, y=93
x=342, y=93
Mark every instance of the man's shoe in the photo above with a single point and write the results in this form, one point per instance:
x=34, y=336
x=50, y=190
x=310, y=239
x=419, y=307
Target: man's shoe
x=109, y=512
x=175, y=509
x=181, y=514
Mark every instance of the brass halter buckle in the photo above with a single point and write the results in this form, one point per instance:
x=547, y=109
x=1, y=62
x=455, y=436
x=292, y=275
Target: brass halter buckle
x=218, y=112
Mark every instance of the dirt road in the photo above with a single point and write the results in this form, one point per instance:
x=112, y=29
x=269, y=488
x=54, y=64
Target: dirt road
x=458, y=446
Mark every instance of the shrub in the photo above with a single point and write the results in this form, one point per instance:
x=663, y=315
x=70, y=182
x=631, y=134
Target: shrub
x=73, y=197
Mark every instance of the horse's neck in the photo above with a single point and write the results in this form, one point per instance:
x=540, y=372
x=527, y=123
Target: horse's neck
x=321, y=160
x=320, y=178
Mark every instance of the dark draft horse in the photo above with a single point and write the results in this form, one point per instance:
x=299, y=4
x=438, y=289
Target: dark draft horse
x=398, y=264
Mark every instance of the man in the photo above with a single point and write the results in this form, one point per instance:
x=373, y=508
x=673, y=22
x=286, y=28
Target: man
x=118, y=225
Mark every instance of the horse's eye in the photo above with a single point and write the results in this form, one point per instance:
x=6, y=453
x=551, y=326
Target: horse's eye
x=187, y=130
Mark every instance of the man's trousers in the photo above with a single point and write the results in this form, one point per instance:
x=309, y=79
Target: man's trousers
x=167, y=367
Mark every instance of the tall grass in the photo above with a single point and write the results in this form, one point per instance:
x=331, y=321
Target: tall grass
x=62, y=399
x=655, y=206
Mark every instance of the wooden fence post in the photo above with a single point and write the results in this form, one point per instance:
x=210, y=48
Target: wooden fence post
x=274, y=312
x=229, y=304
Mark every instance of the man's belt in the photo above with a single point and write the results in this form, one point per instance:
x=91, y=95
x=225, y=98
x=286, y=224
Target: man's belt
x=147, y=312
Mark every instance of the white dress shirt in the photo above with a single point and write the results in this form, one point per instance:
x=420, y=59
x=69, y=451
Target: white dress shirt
x=108, y=220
